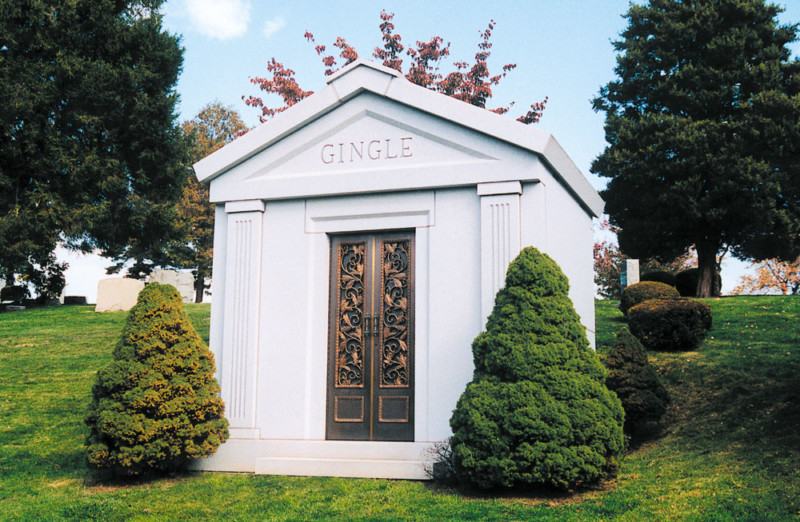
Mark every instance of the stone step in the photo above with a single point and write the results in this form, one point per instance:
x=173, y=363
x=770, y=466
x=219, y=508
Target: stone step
x=404, y=460
x=337, y=449
x=353, y=468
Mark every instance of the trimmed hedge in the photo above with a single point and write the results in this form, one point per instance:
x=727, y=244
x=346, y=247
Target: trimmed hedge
x=670, y=324
x=155, y=407
x=636, y=383
x=643, y=291
x=537, y=412
x=659, y=276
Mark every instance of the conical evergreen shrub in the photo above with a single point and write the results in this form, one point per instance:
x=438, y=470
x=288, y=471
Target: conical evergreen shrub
x=636, y=383
x=156, y=406
x=537, y=412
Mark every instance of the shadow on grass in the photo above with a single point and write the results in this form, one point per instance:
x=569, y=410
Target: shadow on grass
x=646, y=436
x=761, y=420
x=526, y=496
x=104, y=482
x=22, y=467
x=749, y=408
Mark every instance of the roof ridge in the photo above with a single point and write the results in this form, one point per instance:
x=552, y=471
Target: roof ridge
x=363, y=62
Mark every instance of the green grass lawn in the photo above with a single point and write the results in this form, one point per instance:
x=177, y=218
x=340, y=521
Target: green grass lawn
x=731, y=450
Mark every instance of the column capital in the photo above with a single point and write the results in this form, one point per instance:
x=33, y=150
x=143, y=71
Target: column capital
x=499, y=188
x=248, y=205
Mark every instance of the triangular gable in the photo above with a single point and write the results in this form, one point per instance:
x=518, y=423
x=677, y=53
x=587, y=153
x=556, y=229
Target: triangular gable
x=370, y=141
x=370, y=113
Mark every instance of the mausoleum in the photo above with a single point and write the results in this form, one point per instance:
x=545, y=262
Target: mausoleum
x=360, y=238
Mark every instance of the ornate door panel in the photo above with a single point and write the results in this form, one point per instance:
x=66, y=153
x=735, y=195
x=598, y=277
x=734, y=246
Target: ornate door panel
x=371, y=337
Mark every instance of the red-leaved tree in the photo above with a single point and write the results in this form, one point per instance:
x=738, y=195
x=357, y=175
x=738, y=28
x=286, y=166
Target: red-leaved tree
x=471, y=83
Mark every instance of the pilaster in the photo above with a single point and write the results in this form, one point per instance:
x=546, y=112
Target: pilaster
x=500, y=236
x=240, y=338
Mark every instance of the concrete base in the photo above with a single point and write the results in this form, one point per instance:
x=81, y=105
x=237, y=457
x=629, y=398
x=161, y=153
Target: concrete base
x=393, y=460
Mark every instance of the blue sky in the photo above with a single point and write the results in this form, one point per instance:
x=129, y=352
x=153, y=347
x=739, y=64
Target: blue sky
x=562, y=49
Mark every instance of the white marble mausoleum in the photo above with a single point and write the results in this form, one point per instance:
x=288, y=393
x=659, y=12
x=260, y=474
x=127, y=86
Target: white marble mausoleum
x=360, y=238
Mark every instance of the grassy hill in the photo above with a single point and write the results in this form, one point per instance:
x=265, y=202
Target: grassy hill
x=731, y=449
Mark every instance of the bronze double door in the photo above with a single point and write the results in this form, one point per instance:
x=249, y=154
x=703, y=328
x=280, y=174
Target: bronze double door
x=371, y=337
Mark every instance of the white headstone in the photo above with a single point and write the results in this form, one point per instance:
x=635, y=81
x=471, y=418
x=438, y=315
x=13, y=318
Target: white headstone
x=182, y=281
x=630, y=273
x=117, y=294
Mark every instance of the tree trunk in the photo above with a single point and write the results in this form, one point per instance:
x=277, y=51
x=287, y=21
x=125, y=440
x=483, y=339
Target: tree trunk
x=707, y=270
x=199, y=285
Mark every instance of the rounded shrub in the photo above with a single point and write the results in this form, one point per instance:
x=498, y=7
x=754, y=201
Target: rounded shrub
x=659, y=276
x=686, y=283
x=643, y=291
x=636, y=383
x=670, y=324
x=537, y=412
x=156, y=406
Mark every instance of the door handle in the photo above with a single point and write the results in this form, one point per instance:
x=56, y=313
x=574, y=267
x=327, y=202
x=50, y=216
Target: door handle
x=375, y=325
x=366, y=326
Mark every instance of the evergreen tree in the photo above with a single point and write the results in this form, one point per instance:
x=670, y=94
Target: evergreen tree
x=537, y=412
x=90, y=153
x=156, y=406
x=703, y=132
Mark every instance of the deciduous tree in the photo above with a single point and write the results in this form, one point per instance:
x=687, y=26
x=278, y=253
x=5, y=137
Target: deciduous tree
x=703, y=132
x=90, y=152
x=214, y=126
x=471, y=83
x=771, y=276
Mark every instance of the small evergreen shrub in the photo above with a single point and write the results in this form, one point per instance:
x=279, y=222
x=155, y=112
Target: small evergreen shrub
x=659, y=276
x=155, y=407
x=670, y=324
x=643, y=291
x=537, y=412
x=636, y=383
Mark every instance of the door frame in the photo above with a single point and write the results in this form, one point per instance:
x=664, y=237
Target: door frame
x=356, y=411
x=366, y=212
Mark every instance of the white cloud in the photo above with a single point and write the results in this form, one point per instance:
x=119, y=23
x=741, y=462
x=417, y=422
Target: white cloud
x=273, y=26
x=221, y=19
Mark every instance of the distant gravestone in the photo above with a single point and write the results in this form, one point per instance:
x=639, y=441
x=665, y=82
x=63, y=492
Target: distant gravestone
x=116, y=294
x=182, y=281
x=630, y=273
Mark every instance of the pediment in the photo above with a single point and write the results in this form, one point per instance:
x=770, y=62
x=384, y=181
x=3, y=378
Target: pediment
x=366, y=141
x=328, y=144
